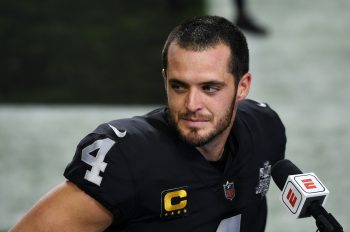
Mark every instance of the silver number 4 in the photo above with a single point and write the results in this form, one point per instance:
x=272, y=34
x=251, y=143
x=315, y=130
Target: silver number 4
x=96, y=162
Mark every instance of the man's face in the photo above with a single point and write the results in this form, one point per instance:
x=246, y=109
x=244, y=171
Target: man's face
x=200, y=91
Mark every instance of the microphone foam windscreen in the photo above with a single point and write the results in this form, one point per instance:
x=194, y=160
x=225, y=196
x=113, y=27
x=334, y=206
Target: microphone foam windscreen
x=281, y=170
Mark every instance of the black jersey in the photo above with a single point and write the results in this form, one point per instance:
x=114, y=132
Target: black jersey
x=151, y=180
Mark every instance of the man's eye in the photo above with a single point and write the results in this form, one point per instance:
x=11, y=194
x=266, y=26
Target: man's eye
x=177, y=87
x=211, y=89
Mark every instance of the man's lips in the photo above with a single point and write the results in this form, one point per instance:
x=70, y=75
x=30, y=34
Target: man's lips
x=195, y=122
x=195, y=119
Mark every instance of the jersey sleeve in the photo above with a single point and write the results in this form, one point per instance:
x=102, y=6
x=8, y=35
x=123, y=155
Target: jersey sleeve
x=100, y=169
x=266, y=128
x=275, y=130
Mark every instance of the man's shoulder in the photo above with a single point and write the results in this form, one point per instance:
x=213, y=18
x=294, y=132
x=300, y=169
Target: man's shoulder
x=251, y=106
x=150, y=123
x=259, y=116
x=251, y=109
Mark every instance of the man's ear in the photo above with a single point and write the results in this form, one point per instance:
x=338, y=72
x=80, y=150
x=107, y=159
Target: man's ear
x=165, y=78
x=244, y=86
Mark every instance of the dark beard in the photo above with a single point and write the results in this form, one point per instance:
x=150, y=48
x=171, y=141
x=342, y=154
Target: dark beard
x=193, y=140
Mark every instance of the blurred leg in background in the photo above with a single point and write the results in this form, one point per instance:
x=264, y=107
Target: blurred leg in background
x=245, y=21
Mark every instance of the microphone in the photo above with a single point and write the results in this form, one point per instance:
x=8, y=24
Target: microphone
x=304, y=195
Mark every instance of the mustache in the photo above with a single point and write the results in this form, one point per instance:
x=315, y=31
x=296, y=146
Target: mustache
x=195, y=116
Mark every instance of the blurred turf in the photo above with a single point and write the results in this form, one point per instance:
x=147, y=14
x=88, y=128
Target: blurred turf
x=63, y=51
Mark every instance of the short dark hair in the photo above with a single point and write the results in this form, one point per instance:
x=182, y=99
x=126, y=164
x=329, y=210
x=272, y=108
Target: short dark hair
x=200, y=33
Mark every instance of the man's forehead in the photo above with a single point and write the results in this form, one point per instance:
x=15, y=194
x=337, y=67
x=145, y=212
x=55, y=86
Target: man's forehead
x=213, y=57
x=197, y=47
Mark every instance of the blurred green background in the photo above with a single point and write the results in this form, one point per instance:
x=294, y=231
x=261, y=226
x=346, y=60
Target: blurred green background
x=60, y=51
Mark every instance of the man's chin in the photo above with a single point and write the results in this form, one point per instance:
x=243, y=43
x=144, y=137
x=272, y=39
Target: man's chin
x=195, y=139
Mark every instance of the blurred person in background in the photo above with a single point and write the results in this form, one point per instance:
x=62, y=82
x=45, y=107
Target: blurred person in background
x=202, y=163
x=245, y=21
x=243, y=18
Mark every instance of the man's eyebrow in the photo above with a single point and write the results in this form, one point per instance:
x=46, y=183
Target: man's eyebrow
x=213, y=82
x=178, y=82
x=216, y=83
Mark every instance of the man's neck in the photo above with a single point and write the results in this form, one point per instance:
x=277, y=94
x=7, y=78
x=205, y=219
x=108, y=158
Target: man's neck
x=214, y=150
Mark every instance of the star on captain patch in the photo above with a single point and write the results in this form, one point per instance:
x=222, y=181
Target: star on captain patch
x=264, y=179
x=229, y=190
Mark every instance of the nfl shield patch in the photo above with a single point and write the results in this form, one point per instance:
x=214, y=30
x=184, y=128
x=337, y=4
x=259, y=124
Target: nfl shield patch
x=229, y=190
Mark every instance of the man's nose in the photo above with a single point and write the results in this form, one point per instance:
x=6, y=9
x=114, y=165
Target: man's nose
x=194, y=100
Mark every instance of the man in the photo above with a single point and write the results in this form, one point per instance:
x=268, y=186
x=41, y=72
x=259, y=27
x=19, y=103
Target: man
x=200, y=164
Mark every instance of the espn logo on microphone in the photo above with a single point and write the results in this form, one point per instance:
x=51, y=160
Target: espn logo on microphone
x=291, y=197
x=300, y=190
x=309, y=183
